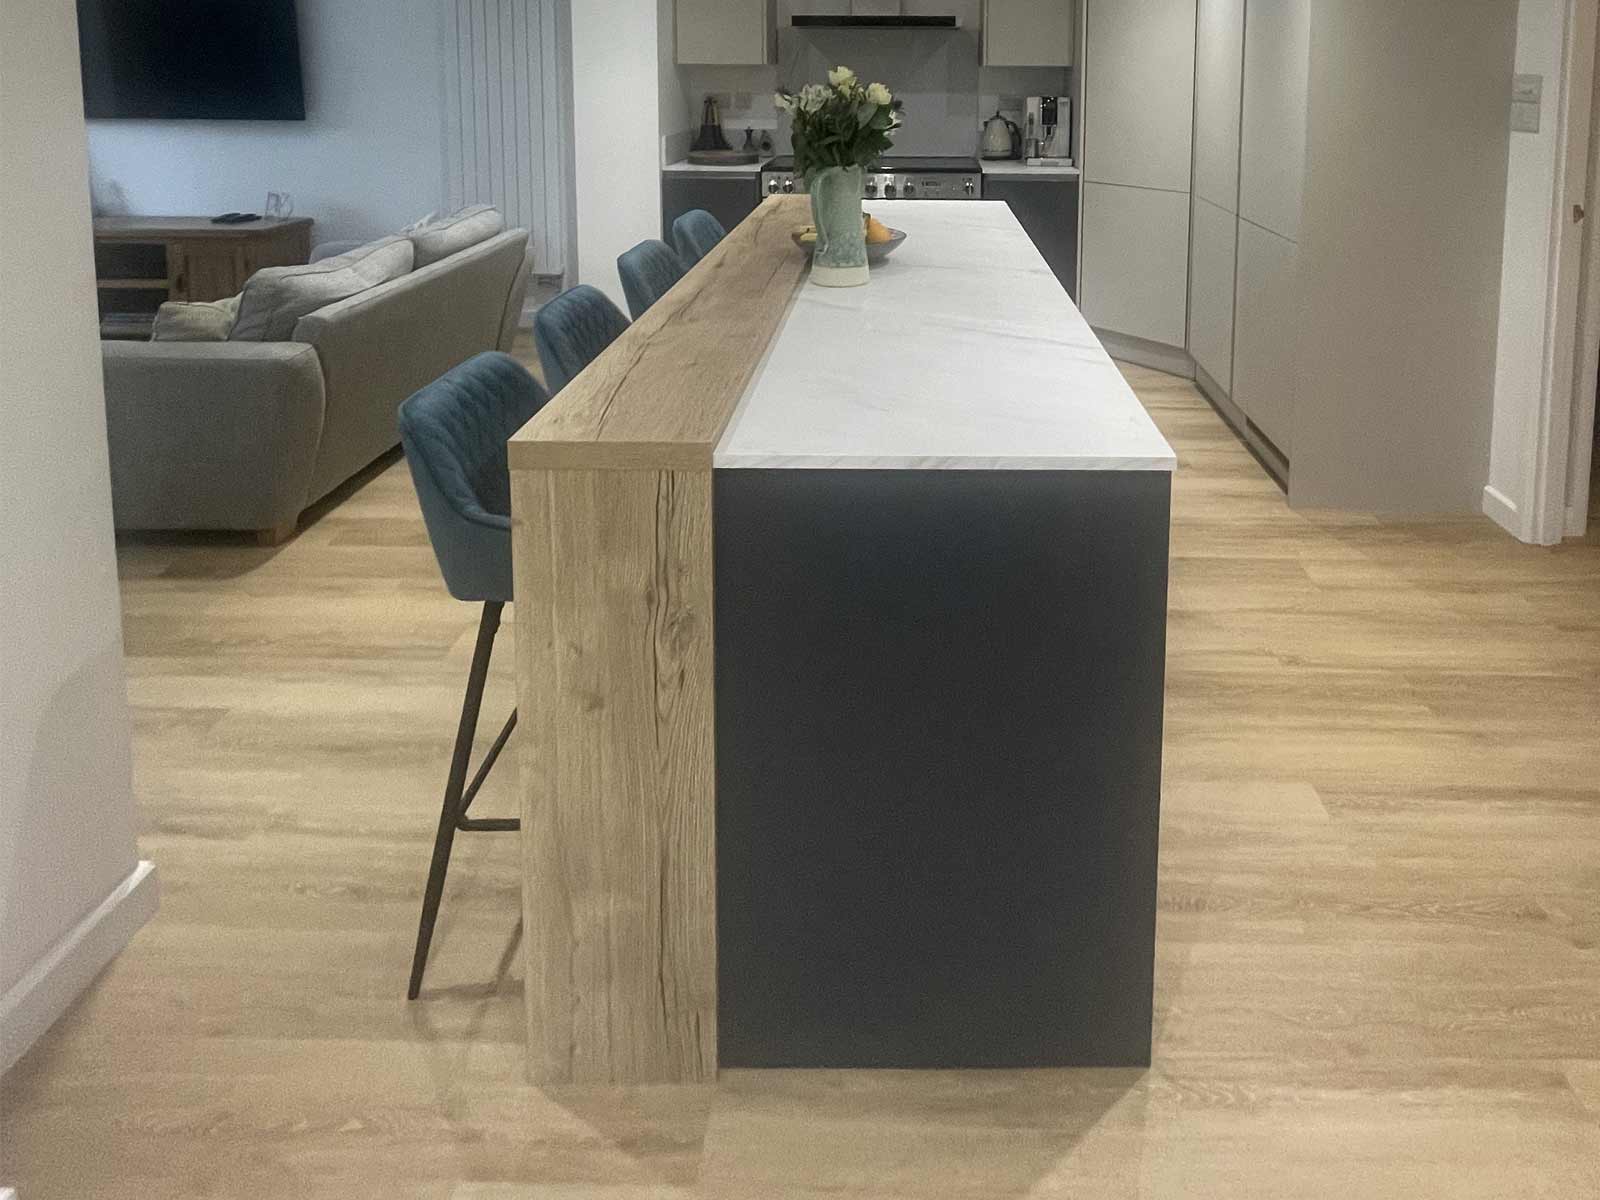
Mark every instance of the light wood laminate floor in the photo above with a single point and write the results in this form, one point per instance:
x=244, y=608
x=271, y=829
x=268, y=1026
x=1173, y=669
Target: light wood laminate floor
x=1379, y=959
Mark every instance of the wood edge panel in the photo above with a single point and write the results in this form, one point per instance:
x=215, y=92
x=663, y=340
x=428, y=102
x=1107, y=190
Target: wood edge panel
x=662, y=393
x=614, y=669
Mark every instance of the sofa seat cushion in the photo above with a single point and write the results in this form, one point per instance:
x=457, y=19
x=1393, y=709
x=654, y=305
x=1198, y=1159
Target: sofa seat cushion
x=440, y=238
x=275, y=298
x=195, y=321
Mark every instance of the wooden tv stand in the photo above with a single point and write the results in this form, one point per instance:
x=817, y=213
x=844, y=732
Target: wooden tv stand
x=140, y=262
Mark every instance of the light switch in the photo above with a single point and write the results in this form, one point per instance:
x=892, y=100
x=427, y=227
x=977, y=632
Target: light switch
x=1527, y=89
x=1524, y=118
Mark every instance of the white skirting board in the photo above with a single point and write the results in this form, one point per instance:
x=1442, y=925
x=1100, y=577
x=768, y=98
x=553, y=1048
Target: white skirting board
x=36, y=1000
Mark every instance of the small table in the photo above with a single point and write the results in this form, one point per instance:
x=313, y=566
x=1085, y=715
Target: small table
x=141, y=262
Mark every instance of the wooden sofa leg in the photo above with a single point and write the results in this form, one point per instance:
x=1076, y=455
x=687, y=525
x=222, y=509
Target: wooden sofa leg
x=277, y=535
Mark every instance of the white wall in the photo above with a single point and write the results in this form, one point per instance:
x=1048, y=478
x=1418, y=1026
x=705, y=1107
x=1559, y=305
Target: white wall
x=367, y=160
x=616, y=129
x=1525, y=276
x=675, y=121
x=71, y=888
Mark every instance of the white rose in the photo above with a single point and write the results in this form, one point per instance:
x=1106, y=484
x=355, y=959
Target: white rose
x=784, y=102
x=878, y=94
x=812, y=97
x=841, y=77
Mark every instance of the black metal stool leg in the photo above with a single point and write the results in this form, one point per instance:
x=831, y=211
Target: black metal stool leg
x=453, y=808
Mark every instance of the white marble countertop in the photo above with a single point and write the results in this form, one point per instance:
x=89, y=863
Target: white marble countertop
x=685, y=167
x=962, y=353
x=1016, y=167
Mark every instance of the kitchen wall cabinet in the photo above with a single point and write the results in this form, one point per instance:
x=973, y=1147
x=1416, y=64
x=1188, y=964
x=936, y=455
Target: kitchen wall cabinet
x=727, y=32
x=1047, y=210
x=1028, y=33
x=1138, y=66
x=1136, y=261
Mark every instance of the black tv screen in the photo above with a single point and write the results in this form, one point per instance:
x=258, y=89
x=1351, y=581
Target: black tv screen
x=219, y=60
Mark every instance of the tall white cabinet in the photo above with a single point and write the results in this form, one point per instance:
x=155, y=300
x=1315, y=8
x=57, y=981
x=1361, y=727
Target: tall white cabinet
x=1138, y=66
x=1252, y=65
x=1272, y=157
x=1214, y=231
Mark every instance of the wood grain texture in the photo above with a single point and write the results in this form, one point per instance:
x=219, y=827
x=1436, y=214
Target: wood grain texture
x=614, y=653
x=662, y=393
x=1377, y=969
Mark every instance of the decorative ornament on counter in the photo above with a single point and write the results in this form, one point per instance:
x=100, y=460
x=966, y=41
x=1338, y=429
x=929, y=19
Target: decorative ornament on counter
x=838, y=130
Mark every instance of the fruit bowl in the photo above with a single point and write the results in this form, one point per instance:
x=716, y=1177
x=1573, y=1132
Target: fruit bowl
x=876, y=251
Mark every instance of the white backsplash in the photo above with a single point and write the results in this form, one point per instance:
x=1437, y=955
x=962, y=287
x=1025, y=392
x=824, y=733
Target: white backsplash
x=947, y=93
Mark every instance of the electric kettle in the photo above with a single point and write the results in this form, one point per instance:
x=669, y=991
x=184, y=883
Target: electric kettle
x=1001, y=138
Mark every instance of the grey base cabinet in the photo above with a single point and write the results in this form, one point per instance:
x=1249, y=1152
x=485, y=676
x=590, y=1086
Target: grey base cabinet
x=1047, y=209
x=728, y=198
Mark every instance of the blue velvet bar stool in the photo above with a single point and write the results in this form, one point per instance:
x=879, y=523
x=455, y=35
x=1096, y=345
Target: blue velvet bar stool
x=694, y=234
x=454, y=432
x=648, y=272
x=571, y=331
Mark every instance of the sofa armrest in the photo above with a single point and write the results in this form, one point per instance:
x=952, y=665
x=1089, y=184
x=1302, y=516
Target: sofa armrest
x=514, y=302
x=211, y=435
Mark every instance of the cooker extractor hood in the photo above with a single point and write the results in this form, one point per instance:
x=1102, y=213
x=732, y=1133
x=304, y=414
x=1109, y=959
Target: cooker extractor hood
x=872, y=14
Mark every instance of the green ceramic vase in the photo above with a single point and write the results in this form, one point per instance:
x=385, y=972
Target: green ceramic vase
x=840, y=259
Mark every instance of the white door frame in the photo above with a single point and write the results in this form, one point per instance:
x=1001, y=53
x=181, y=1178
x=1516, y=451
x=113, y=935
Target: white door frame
x=1565, y=430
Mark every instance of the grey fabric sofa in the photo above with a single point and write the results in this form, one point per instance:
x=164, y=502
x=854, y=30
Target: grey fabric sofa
x=246, y=435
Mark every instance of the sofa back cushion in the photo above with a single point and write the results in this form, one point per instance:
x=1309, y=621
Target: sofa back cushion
x=441, y=237
x=380, y=346
x=195, y=321
x=275, y=298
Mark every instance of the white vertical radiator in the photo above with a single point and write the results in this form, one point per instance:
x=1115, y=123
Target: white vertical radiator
x=502, y=124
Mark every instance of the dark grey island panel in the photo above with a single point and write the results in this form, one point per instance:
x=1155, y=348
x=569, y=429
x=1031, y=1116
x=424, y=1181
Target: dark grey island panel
x=938, y=765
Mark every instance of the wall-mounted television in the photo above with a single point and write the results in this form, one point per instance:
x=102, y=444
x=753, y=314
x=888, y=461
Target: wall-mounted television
x=214, y=60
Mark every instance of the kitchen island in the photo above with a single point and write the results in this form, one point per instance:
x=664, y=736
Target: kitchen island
x=840, y=621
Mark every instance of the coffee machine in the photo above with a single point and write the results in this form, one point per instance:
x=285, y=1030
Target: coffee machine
x=1047, y=128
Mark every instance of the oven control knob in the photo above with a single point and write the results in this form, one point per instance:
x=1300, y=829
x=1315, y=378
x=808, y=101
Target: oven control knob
x=772, y=187
x=909, y=188
x=889, y=189
x=788, y=185
x=967, y=185
x=872, y=187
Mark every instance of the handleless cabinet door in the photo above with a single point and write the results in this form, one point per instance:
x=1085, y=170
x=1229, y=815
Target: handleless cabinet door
x=1213, y=249
x=1138, y=103
x=726, y=32
x=1277, y=63
x=1136, y=261
x=1218, y=82
x=1138, y=127
x=1028, y=33
x=1265, y=380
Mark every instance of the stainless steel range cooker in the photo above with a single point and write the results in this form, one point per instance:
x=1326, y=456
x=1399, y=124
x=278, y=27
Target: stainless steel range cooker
x=902, y=177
